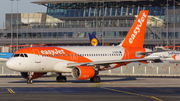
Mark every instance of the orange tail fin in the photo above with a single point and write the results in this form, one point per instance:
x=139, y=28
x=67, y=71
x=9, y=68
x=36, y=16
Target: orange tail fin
x=174, y=56
x=135, y=37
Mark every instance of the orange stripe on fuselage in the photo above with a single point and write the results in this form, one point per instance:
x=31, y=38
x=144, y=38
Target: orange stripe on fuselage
x=66, y=54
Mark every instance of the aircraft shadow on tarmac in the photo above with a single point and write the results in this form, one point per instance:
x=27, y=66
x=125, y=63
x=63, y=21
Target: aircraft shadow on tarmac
x=10, y=76
x=76, y=81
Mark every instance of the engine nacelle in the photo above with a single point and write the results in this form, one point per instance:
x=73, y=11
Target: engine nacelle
x=34, y=76
x=83, y=72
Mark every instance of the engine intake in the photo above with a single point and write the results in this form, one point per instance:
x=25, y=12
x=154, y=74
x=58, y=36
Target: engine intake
x=83, y=72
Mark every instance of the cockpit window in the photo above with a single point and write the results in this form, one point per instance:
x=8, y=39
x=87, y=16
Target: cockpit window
x=25, y=55
x=21, y=55
x=16, y=55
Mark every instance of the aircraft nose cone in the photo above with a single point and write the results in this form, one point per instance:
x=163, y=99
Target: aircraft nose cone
x=9, y=64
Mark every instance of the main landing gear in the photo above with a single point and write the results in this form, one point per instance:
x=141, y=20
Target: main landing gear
x=61, y=78
x=29, y=79
x=95, y=79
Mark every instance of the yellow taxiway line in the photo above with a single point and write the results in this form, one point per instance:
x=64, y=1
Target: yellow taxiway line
x=10, y=90
x=153, y=97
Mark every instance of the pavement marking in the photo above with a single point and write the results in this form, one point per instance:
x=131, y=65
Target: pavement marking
x=10, y=90
x=153, y=97
x=109, y=83
x=58, y=83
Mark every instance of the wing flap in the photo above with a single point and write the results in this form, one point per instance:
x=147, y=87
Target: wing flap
x=70, y=65
x=144, y=53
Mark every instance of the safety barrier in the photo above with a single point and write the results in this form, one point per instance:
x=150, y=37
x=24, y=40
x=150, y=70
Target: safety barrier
x=132, y=69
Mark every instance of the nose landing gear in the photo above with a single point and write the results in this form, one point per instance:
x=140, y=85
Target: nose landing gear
x=29, y=79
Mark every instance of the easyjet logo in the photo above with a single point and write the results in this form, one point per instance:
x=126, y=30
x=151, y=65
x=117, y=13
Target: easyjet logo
x=55, y=51
x=137, y=29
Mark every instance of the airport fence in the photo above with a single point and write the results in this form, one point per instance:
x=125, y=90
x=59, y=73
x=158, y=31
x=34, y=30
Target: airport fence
x=132, y=69
x=150, y=69
x=6, y=71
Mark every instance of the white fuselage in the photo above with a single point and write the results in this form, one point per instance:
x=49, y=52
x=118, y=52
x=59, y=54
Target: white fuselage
x=171, y=56
x=56, y=59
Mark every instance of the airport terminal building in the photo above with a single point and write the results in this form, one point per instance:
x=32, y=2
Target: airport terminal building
x=68, y=22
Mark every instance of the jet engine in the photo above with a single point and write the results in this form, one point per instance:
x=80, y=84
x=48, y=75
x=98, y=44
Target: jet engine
x=83, y=72
x=34, y=76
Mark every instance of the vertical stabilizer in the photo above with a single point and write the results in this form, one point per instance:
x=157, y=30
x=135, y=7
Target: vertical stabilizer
x=135, y=37
x=93, y=40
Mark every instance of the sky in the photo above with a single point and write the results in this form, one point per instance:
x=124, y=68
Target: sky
x=24, y=6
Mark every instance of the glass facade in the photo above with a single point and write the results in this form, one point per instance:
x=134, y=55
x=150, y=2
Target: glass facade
x=89, y=10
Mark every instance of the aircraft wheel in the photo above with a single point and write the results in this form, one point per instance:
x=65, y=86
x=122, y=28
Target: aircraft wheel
x=29, y=81
x=97, y=79
x=61, y=79
x=91, y=79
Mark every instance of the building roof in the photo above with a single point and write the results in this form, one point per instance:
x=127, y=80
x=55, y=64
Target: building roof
x=78, y=1
x=152, y=2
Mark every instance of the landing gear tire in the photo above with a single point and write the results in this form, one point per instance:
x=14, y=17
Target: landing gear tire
x=61, y=79
x=29, y=81
x=95, y=79
x=91, y=79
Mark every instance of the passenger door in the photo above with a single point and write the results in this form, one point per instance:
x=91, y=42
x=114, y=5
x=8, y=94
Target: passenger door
x=37, y=56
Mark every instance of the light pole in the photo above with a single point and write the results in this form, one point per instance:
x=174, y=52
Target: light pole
x=174, y=25
x=103, y=26
x=11, y=24
x=17, y=25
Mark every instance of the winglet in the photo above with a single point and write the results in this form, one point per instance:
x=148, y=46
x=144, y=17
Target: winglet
x=135, y=37
x=93, y=40
x=174, y=56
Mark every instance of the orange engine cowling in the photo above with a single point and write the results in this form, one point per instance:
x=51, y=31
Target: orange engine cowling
x=34, y=76
x=83, y=72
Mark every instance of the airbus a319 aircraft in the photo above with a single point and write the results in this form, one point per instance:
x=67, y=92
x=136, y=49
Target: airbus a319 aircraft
x=83, y=62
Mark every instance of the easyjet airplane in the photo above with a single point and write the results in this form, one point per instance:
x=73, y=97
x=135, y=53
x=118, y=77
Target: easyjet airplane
x=83, y=62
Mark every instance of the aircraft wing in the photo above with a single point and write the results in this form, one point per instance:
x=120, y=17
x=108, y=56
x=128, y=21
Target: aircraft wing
x=70, y=65
x=144, y=53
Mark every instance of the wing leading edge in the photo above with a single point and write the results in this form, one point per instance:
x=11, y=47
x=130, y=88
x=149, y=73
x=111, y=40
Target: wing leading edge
x=70, y=65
